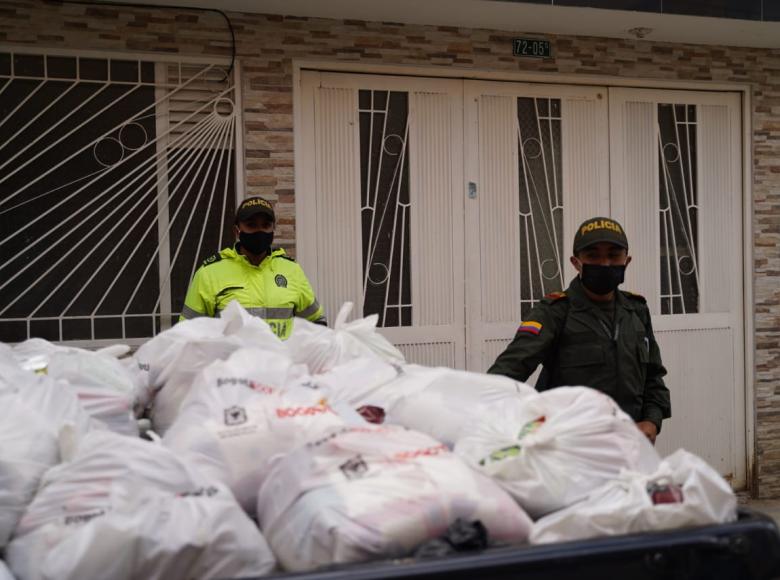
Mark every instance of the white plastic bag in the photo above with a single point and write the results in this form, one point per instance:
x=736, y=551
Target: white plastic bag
x=9, y=367
x=179, y=375
x=361, y=381
x=149, y=512
x=109, y=390
x=33, y=354
x=453, y=401
x=435, y=400
x=552, y=449
x=369, y=381
x=175, y=357
x=239, y=415
x=161, y=536
x=5, y=573
x=322, y=348
x=38, y=417
x=105, y=387
x=688, y=492
x=83, y=482
x=359, y=493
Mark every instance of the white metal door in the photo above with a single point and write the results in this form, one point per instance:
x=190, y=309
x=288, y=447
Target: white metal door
x=676, y=179
x=380, y=210
x=538, y=157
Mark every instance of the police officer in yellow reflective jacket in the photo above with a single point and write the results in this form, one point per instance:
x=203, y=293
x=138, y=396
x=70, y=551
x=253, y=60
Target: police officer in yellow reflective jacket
x=266, y=282
x=594, y=334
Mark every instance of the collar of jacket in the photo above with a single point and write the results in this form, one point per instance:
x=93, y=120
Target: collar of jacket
x=580, y=301
x=235, y=253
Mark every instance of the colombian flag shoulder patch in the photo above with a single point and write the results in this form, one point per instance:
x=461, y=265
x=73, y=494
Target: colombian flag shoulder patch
x=554, y=296
x=530, y=326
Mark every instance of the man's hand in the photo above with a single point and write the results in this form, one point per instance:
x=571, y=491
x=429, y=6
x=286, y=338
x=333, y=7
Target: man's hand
x=649, y=429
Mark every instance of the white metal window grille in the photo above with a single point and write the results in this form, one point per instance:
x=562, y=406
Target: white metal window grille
x=385, y=206
x=678, y=209
x=117, y=179
x=541, y=198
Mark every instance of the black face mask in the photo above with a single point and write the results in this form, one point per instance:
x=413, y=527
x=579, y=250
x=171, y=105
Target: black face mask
x=257, y=243
x=602, y=279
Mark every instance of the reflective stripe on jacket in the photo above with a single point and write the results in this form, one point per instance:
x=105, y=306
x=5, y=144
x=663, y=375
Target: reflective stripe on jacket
x=276, y=290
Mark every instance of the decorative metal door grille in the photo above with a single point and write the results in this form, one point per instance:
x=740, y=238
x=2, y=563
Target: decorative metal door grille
x=541, y=198
x=116, y=179
x=678, y=209
x=385, y=206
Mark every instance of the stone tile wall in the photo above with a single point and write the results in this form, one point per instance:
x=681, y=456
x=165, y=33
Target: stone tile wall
x=267, y=45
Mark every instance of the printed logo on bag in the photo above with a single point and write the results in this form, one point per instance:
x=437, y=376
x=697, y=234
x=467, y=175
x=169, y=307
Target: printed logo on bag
x=255, y=386
x=235, y=416
x=427, y=452
x=286, y=412
x=281, y=281
x=83, y=518
x=342, y=431
x=354, y=468
x=327, y=438
x=665, y=493
x=261, y=388
x=210, y=491
x=233, y=381
x=514, y=450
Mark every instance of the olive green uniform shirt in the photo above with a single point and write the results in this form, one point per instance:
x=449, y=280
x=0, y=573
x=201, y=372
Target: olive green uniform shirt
x=581, y=343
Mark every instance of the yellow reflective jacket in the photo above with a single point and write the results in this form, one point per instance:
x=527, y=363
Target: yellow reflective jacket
x=275, y=290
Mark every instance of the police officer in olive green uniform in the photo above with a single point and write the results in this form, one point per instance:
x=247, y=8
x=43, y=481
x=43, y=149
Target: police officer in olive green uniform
x=266, y=282
x=594, y=334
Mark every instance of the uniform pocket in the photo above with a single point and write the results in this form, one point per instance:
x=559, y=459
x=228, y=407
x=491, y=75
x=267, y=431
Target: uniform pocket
x=643, y=348
x=581, y=355
x=227, y=289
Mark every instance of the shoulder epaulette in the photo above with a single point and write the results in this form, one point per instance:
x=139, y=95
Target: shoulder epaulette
x=214, y=258
x=555, y=296
x=635, y=296
x=286, y=257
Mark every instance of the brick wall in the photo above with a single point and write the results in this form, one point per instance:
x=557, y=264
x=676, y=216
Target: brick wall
x=267, y=45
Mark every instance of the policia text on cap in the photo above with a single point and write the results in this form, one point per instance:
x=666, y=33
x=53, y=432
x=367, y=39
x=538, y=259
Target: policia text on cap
x=594, y=334
x=266, y=282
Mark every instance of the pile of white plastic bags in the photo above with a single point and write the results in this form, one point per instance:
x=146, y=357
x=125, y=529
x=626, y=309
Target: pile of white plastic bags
x=239, y=415
x=683, y=491
x=360, y=493
x=109, y=389
x=266, y=456
x=39, y=417
x=122, y=507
